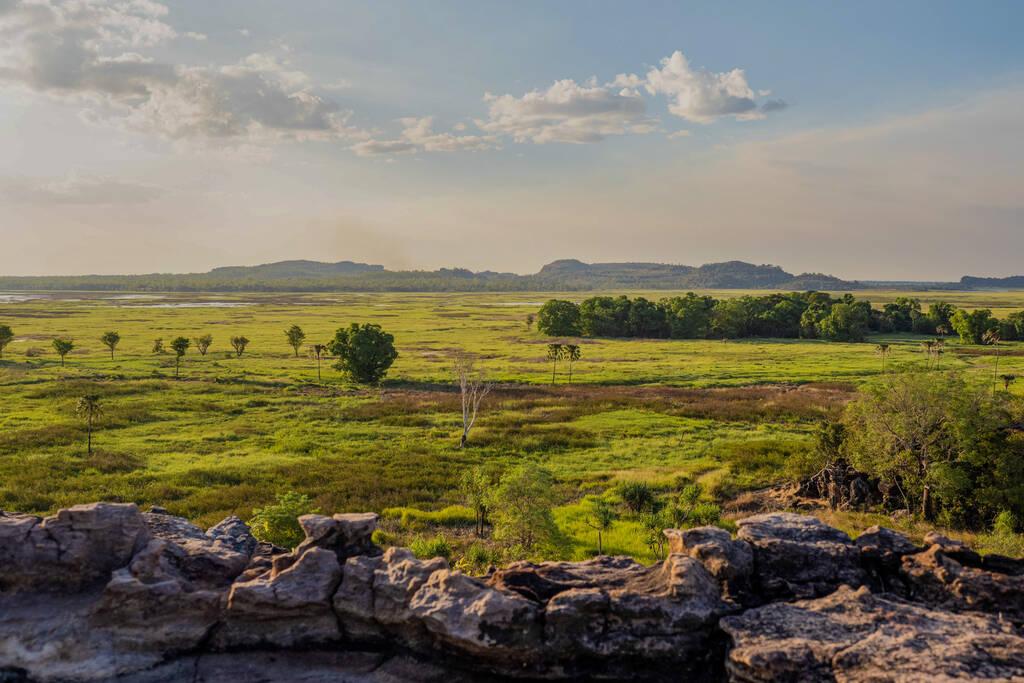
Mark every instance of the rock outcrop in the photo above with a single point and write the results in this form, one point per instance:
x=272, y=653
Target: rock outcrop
x=105, y=592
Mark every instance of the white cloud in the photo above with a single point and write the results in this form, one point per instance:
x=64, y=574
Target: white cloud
x=195, y=36
x=568, y=112
x=76, y=189
x=704, y=96
x=87, y=51
x=679, y=134
x=418, y=135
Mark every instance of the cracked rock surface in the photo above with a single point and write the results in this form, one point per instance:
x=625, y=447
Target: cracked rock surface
x=104, y=592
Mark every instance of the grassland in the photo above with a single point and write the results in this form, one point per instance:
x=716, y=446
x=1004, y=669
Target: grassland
x=233, y=432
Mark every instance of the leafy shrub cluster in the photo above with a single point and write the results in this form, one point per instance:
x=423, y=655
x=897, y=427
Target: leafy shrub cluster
x=807, y=315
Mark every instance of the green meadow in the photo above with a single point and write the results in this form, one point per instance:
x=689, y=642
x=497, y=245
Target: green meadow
x=232, y=432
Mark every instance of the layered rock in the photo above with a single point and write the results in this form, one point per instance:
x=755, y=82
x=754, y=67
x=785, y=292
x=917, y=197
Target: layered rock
x=105, y=592
x=852, y=635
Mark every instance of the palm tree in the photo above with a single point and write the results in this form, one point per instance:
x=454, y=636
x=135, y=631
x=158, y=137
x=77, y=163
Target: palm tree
x=90, y=410
x=572, y=354
x=555, y=354
x=883, y=351
x=318, y=351
x=927, y=347
x=992, y=338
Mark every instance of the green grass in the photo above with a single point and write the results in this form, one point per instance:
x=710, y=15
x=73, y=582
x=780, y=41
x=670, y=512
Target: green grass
x=233, y=432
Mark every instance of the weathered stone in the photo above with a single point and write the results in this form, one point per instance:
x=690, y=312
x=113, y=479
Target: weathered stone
x=77, y=548
x=796, y=556
x=852, y=635
x=936, y=578
x=730, y=562
x=498, y=628
x=284, y=609
x=375, y=592
x=346, y=535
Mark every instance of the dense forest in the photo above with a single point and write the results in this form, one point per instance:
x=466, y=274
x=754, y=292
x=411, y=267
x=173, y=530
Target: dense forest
x=806, y=315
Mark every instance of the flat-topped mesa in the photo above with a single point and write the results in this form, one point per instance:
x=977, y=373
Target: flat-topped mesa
x=104, y=592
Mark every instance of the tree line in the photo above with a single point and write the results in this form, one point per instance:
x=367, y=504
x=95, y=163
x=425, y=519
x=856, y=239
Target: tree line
x=793, y=315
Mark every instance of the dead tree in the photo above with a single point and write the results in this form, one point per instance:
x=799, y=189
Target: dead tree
x=473, y=388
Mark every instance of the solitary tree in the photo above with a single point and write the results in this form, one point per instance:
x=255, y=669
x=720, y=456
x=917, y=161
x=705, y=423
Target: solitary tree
x=555, y=352
x=158, y=346
x=992, y=338
x=473, y=388
x=239, y=344
x=63, y=347
x=572, y=354
x=365, y=352
x=318, y=351
x=6, y=337
x=883, y=351
x=602, y=516
x=111, y=340
x=1008, y=379
x=529, y=321
x=521, y=508
x=90, y=410
x=476, y=487
x=179, y=345
x=295, y=337
x=928, y=348
x=203, y=343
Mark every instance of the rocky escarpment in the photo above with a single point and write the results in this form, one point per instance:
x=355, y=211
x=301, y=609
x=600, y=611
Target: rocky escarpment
x=104, y=592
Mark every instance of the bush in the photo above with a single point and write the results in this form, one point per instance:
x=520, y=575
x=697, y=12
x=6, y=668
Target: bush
x=426, y=548
x=559, y=318
x=521, y=509
x=478, y=559
x=365, y=352
x=638, y=496
x=705, y=514
x=278, y=523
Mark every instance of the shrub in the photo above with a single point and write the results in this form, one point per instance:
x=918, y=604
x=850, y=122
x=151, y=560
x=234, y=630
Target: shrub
x=478, y=559
x=705, y=514
x=365, y=352
x=426, y=548
x=278, y=523
x=638, y=496
x=521, y=509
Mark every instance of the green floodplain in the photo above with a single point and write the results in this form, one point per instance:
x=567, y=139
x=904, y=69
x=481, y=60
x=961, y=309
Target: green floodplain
x=233, y=432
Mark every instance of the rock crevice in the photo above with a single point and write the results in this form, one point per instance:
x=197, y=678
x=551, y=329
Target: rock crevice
x=104, y=592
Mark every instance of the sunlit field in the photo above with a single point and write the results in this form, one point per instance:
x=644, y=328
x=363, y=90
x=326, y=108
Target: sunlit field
x=232, y=432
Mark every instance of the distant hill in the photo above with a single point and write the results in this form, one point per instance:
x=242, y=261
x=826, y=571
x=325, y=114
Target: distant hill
x=567, y=275
x=292, y=269
x=1013, y=282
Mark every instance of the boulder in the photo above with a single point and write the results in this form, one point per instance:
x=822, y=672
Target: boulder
x=853, y=635
x=375, y=592
x=936, y=578
x=73, y=550
x=288, y=607
x=346, y=535
x=498, y=629
x=729, y=562
x=796, y=556
x=882, y=550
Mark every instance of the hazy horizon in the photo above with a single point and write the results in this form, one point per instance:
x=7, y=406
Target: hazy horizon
x=869, y=141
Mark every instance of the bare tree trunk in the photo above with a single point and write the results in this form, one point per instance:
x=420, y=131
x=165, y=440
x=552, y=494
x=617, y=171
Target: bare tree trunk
x=89, y=430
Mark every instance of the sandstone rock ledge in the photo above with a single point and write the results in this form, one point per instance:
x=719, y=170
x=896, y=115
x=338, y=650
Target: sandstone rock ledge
x=104, y=592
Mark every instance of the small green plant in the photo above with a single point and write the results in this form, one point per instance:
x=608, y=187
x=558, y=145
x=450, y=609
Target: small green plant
x=278, y=523
x=426, y=548
x=158, y=346
x=90, y=410
x=602, y=516
x=203, y=343
x=637, y=496
x=478, y=559
x=239, y=344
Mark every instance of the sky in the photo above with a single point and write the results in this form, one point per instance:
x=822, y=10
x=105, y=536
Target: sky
x=868, y=140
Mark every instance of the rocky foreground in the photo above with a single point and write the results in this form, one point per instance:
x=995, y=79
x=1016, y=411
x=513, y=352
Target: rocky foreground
x=104, y=592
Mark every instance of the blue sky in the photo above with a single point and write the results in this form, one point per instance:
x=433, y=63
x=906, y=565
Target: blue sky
x=870, y=140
